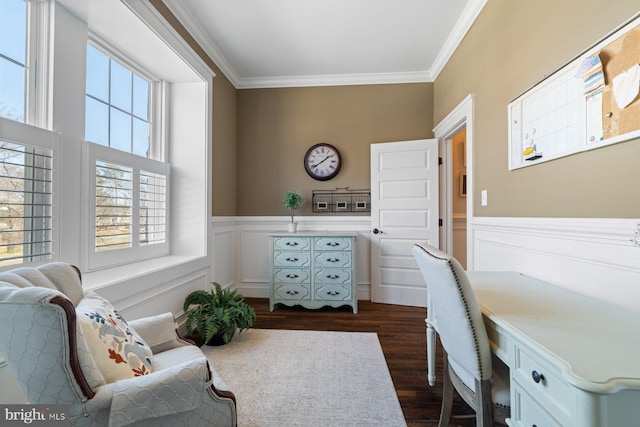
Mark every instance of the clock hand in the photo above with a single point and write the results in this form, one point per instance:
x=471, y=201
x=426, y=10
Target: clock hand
x=322, y=161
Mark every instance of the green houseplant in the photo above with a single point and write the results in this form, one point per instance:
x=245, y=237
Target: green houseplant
x=216, y=314
x=293, y=201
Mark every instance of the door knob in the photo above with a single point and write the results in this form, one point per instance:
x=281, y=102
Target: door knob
x=376, y=231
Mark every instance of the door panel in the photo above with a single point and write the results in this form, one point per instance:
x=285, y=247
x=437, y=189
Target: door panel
x=404, y=211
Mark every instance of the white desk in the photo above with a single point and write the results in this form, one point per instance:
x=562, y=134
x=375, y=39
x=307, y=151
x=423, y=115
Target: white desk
x=587, y=351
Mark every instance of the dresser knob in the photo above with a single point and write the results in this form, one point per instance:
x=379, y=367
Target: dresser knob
x=537, y=377
x=292, y=259
x=292, y=292
x=332, y=260
x=333, y=293
x=332, y=276
x=292, y=276
x=292, y=243
x=333, y=244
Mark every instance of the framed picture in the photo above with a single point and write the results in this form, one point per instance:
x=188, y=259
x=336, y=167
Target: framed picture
x=463, y=185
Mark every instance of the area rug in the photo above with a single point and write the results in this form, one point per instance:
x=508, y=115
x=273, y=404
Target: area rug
x=308, y=378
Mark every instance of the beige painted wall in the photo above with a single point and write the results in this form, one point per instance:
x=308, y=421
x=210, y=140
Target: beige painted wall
x=511, y=46
x=277, y=126
x=224, y=126
x=458, y=168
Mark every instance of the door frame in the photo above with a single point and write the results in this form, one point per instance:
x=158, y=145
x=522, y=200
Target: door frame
x=461, y=117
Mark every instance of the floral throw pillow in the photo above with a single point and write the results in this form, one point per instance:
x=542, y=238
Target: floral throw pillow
x=117, y=350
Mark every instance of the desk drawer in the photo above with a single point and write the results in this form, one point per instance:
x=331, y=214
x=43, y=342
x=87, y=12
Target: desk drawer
x=543, y=383
x=291, y=259
x=526, y=412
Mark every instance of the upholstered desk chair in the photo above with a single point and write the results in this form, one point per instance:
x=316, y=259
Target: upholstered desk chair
x=73, y=348
x=467, y=357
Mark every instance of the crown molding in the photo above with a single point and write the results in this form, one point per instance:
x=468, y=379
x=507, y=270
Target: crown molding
x=465, y=22
x=193, y=27
x=334, y=80
x=191, y=24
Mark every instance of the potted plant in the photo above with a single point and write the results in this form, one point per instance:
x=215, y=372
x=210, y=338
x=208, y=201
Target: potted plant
x=293, y=201
x=216, y=314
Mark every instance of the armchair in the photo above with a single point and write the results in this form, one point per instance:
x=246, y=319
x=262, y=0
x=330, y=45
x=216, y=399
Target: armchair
x=469, y=367
x=50, y=335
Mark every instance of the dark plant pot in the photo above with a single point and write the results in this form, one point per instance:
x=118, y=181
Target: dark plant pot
x=217, y=339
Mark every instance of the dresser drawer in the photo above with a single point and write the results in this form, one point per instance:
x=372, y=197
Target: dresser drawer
x=333, y=292
x=291, y=275
x=336, y=276
x=292, y=292
x=332, y=243
x=332, y=259
x=543, y=383
x=526, y=413
x=292, y=243
x=291, y=259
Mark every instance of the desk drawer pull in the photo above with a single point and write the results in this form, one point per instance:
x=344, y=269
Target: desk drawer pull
x=333, y=293
x=537, y=377
x=333, y=244
x=291, y=243
x=292, y=292
x=333, y=259
x=292, y=276
x=332, y=276
x=292, y=259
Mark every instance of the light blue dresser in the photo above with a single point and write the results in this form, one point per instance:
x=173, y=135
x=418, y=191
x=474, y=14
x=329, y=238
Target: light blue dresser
x=313, y=269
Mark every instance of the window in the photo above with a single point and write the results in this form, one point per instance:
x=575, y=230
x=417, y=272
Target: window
x=13, y=59
x=128, y=187
x=117, y=105
x=27, y=217
x=26, y=193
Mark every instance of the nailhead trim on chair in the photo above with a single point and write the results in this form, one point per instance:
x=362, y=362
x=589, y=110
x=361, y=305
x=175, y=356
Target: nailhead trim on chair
x=466, y=307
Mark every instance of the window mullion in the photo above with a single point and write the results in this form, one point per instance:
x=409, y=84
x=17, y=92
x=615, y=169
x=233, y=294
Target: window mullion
x=135, y=210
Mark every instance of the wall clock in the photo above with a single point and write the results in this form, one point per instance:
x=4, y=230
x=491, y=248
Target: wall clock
x=322, y=161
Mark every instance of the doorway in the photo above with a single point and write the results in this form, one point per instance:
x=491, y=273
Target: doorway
x=455, y=138
x=457, y=176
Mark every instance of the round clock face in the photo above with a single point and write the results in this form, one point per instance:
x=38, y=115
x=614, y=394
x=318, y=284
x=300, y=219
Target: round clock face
x=322, y=161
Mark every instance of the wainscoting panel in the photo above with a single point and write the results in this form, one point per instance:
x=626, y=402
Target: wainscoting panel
x=594, y=257
x=248, y=270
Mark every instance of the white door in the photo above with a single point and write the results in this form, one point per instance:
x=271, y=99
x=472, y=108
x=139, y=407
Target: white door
x=404, y=211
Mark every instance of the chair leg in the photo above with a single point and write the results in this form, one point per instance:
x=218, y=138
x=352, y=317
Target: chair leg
x=447, y=395
x=484, y=410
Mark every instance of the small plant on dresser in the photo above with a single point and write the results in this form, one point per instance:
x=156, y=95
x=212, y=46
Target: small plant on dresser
x=293, y=201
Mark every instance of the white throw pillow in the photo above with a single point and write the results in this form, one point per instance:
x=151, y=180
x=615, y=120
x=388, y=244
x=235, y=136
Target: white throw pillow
x=117, y=350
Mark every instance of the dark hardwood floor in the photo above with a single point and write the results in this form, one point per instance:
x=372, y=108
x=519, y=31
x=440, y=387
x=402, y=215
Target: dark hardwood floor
x=401, y=331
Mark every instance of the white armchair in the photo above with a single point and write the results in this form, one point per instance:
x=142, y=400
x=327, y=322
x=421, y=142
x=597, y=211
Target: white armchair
x=51, y=338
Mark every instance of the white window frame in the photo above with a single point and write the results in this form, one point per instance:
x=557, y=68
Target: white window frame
x=156, y=163
x=93, y=153
x=32, y=136
x=157, y=97
x=35, y=131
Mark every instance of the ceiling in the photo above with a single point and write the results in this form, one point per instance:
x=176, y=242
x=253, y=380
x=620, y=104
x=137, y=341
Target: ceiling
x=280, y=43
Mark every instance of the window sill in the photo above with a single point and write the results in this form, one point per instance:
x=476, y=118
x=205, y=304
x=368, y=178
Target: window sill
x=154, y=270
